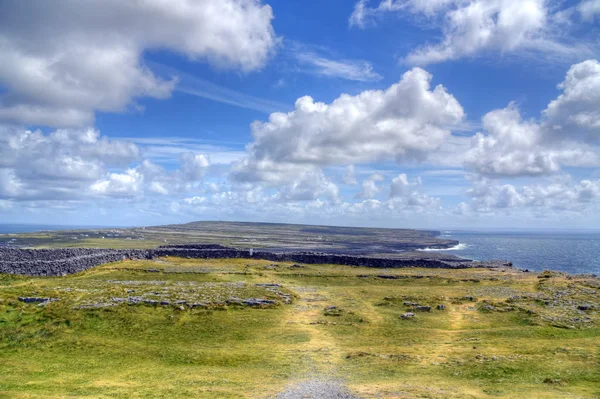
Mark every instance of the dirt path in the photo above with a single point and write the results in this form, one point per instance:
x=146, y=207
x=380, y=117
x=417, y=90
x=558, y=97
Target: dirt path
x=319, y=354
x=317, y=388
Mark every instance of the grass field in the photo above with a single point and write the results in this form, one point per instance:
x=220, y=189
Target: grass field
x=502, y=333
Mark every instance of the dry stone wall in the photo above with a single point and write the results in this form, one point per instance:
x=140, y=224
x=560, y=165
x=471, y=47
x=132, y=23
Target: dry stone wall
x=61, y=262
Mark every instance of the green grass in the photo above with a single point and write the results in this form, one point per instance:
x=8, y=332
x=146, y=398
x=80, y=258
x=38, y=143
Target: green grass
x=229, y=350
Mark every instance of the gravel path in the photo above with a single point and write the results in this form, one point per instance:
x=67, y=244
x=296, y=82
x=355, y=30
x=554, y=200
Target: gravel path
x=317, y=388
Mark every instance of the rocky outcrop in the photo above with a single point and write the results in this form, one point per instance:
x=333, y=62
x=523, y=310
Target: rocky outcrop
x=60, y=262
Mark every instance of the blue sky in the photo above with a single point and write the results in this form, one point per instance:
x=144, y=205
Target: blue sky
x=395, y=113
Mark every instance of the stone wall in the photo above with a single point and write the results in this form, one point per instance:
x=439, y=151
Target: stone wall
x=61, y=262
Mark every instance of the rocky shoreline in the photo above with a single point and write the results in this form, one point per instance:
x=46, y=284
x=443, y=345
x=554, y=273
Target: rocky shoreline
x=61, y=262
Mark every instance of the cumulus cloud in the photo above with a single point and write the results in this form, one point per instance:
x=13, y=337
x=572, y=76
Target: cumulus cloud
x=369, y=187
x=58, y=164
x=128, y=184
x=409, y=195
x=405, y=121
x=256, y=202
x=310, y=187
x=562, y=194
x=193, y=166
x=78, y=163
x=74, y=154
x=513, y=147
x=566, y=135
x=576, y=112
x=63, y=60
x=471, y=27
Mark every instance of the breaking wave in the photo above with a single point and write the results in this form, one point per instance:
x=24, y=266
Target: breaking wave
x=458, y=247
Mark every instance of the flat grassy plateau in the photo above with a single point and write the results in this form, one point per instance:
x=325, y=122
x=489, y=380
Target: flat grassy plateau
x=235, y=328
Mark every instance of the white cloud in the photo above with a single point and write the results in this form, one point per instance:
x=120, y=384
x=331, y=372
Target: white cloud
x=473, y=27
x=369, y=187
x=513, y=147
x=253, y=204
x=401, y=190
x=589, y=9
x=58, y=164
x=78, y=163
x=76, y=154
x=158, y=188
x=560, y=195
x=128, y=184
x=10, y=186
x=63, y=60
x=169, y=149
x=405, y=121
x=357, y=70
x=349, y=176
x=565, y=136
x=310, y=187
x=193, y=166
x=363, y=13
x=400, y=186
x=575, y=114
x=196, y=86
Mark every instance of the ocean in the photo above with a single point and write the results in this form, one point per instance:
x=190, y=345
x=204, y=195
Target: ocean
x=31, y=228
x=572, y=252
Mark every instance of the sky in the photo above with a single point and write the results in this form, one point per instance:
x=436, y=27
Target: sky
x=385, y=113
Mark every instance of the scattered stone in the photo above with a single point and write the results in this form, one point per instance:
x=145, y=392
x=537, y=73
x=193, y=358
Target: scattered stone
x=258, y=302
x=31, y=299
x=408, y=315
x=441, y=307
x=388, y=277
x=585, y=307
x=332, y=311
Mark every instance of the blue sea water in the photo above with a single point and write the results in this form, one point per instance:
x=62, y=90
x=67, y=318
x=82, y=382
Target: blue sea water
x=572, y=252
x=31, y=228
